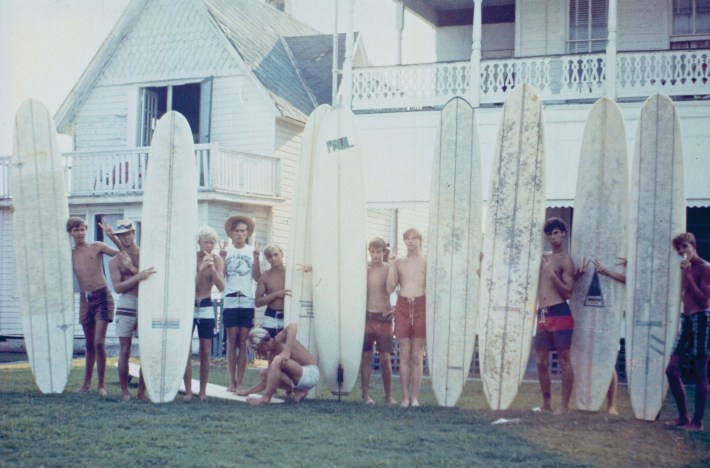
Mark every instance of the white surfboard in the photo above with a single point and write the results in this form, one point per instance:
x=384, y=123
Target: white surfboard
x=43, y=268
x=339, y=262
x=212, y=390
x=454, y=252
x=298, y=307
x=656, y=215
x=599, y=232
x=169, y=220
x=512, y=247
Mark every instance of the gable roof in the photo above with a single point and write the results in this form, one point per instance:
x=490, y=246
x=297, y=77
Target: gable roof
x=266, y=40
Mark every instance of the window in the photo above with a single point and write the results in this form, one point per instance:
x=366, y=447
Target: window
x=691, y=24
x=192, y=100
x=587, y=26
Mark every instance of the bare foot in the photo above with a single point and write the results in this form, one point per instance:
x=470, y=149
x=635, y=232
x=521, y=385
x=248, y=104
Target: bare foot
x=390, y=401
x=188, y=397
x=83, y=389
x=547, y=406
x=692, y=426
x=232, y=388
x=405, y=403
x=414, y=403
x=203, y=397
x=258, y=401
x=299, y=395
x=677, y=422
x=612, y=411
x=126, y=396
x=561, y=410
x=142, y=396
x=101, y=391
x=368, y=401
x=241, y=392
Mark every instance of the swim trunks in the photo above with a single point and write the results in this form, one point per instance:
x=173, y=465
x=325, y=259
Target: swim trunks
x=410, y=317
x=554, y=327
x=95, y=305
x=378, y=329
x=273, y=321
x=203, y=319
x=693, y=337
x=126, y=316
x=309, y=378
x=239, y=317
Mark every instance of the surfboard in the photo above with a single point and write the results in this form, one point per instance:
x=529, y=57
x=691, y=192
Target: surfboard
x=656, y=215
x=43, y=270
x=166, y=298
x=512, y=247
x=212, y=390
x=339, y=263
x=454, y=252
x=298, y=307
x=599, y=232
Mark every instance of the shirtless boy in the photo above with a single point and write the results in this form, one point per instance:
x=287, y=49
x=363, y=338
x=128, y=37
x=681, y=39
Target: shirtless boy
x=210, y=272
x=378, y=322
x=270, y=290
x=291, y=366
x=554, y=318
x=693, y=338
x=95, y=303
x=125, y=277
x=409, y=273
x=241, y=270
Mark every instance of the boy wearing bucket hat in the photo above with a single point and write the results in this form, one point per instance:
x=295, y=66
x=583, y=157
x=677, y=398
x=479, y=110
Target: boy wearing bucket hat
x=241, y=270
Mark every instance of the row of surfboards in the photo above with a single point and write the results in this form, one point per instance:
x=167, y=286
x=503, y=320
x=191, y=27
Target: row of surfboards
x=609, y=222
x=329, y=212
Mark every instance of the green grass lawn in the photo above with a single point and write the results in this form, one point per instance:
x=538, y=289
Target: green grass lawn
x=80, y=430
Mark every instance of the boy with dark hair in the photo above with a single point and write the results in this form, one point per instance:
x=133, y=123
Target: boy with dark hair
x=693, y=338
x=96, y=301
x=378, y=322
x=554, y=318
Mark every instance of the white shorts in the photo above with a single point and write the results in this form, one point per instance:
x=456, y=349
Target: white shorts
x=309, y=379
x=126, y=316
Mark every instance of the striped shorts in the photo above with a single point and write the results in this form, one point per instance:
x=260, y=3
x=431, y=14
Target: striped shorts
x=693, y=336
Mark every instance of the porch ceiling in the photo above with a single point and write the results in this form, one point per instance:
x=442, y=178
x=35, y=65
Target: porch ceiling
x=448, y=12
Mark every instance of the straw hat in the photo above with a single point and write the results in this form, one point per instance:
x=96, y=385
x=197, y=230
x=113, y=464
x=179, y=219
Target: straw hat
x=232, y=220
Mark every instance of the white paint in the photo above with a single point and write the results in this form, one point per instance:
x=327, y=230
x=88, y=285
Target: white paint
x=339, y=257
x=166, y=298
x=599, y=229
x=43, y=270
x=454, y=252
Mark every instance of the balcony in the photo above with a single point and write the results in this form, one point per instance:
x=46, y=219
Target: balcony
x=557, y=78
x=121, y=172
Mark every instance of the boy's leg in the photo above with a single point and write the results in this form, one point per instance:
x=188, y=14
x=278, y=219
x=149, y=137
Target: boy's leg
x=678, y=391
x=567, y=372
x=417, y=354
x=100, y=347
x=405, y=345
x=365, y=371
x=386, y=366
x=611, y=395
x=123, y=355
x=242, y=353
x=205, y=349
x=542, y=357
x=89, y=332
x=232, y=358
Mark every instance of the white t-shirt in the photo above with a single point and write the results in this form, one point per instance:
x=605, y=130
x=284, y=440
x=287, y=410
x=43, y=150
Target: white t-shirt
x=238, y=276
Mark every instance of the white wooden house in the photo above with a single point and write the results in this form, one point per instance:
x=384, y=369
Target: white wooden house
x=573, y=52
x=245, y=75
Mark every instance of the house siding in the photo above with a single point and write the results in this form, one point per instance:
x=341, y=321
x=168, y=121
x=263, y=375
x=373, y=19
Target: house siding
x=10, y=319
x=541, y=29
x=242, y=118
x=102, y=122
x=643, y=25
x=288, y=149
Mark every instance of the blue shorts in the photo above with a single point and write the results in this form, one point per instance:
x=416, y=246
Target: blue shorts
x=205, y=328
x=240, y=317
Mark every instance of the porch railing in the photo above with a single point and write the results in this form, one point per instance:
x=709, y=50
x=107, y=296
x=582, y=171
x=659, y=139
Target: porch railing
x=4, y=177
x=122, y=171
x=563, y=77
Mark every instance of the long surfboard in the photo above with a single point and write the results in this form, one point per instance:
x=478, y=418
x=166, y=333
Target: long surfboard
x=656, y=214
x=166, y=299
x=599, y=232
x=454, y=251
x=43, y=270
x=339, y=263
x=212, y=390
x=298, y=307
x=512, y=247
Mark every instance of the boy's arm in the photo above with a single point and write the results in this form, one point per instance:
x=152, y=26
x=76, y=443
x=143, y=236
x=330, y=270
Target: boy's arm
x=260, y=290
x=564, y=283
x=290, y=331
x=109, y=233
x=392, y=277
x=218, y=273
x=114, y=266
x=699, y=292
x=105, y=249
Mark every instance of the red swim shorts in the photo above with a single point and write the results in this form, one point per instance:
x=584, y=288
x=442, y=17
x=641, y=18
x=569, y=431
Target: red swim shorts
x=410, y=317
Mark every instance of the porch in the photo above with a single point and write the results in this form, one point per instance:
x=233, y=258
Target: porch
x=557, y=78
x=121, y=172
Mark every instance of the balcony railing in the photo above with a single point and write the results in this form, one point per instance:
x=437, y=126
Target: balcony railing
x=122, y=172
x=564, y=77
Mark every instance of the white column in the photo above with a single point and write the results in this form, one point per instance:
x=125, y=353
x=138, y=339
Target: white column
x=476, y=55
x=400, y=27
x=611, y=51
x=349, y=53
